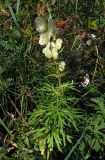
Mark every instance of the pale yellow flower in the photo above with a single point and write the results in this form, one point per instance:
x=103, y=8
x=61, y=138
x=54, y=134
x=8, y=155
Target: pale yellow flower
x=52, y=44
x=62, y=66
x=47, y=31
x=43, y=39
x=58, y=44
x=41, y=24
x=47, y=51
x=54, y=53
x=48, y=54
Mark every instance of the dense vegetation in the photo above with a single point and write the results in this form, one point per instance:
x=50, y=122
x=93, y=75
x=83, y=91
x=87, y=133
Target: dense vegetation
x=52, y=80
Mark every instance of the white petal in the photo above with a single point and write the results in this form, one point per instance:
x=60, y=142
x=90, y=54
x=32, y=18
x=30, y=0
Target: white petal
x=41, y=28
x=43, y=38
x=48, y=45
x=93, y=36
x=44, y=50
x=54, y=53
x=62, y=66
x=48, y=54
x=59, y=43
x=53, y=44
x=89, y=42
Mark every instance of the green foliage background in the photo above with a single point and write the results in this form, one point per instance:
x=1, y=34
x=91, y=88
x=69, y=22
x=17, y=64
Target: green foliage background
x=40, y=119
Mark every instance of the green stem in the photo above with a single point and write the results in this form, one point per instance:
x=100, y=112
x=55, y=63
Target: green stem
x=59, y=81
x=59, y=77
x=76, y=6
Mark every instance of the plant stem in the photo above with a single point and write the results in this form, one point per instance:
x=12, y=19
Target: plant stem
x=76, y=6
x=68, y=156
x=96, y=63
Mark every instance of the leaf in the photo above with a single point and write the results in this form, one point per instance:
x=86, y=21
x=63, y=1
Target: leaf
x=99, y=105
x=69, y=138
x=101, y=21
x=39, y=132
x=97, y=146
x=17, y=6
x=27, y=141
x=54, y=1
x=12, y=13
x=82, y=146
x=50, y=141
x=57, y=140
x=33, y=158
x=1, y=70
x=92, y=142
x=63, y=136
x=93, y=24
x=7, y=129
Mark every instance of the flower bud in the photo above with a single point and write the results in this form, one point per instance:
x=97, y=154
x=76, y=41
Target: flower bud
x=48, y=53
x=55, y=53
x=62, y=66
x=59, y=43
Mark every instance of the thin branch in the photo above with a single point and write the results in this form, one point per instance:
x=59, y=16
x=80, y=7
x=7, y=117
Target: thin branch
x=94, y=73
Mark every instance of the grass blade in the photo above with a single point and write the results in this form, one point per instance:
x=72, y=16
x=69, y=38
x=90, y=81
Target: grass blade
x=17, y=6
x=12, y=13
x=8, y=131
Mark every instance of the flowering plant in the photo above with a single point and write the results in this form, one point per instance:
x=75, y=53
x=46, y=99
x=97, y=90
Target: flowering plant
x=47, y=37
